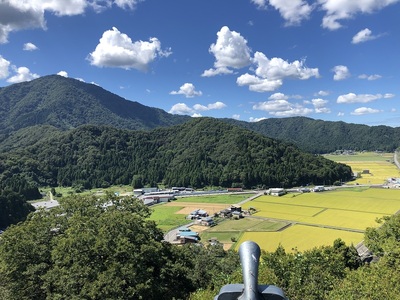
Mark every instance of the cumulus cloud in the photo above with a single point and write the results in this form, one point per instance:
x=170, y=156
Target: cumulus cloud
x=236, y=117
x=337, y=10
x=19, y=15
x=230, y=52
x=187, y=89
x=341, y=73
x=362, y=98
x=270, y=73
x=116, y=49
x=216, y=105
x=63, y=74
x=30, y=47
x=364, y=111
x=322, y=93
x=370, y=77
x=292, y=11
x=320, y=106
x=257, y=84
x=278, y=105
x=183, y=109
x=363, y=36
x=4, y=67
x=22, y=74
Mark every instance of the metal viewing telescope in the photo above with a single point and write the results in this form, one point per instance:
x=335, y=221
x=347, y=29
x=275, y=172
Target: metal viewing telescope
x=249, y=253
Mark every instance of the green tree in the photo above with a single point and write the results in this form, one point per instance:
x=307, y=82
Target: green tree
x=13, y=208
x=91, y=248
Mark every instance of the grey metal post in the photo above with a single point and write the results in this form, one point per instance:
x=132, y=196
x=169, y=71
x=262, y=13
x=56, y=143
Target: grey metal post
x=249, y=253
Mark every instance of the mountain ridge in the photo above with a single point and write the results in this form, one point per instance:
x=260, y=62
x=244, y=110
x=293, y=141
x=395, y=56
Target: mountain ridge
x=66, y=103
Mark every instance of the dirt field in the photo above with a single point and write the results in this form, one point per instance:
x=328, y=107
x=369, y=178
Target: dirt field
x=189, y=207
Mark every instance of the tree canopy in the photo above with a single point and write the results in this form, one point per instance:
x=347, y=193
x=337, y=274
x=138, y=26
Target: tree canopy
x=90, y=248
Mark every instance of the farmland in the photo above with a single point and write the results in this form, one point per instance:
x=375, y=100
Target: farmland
x=380, y=166
x=296, y=221
x=299, y=221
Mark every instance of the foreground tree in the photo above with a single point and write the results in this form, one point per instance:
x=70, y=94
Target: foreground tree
x=90, y=248
x=13, y=208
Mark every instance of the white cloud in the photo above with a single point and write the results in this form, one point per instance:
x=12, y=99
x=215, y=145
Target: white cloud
x=364, y=111
x=188, y=90
x=236, y=117
x=320, y=106
x=63, y=74
x=131, y=4
x=4, y=67
x=337, y=10
x=23, y=74
x=273, y=105
x=278, y=105
x=183, y=109
x=30, y=47
x=362, y=98
x=116, y=49
x=322, y=93
x=293, y=11
x=216, y=105
x=230, y=51
x=340, y=114
x=257, y=84
x=363, y=36
x=261, y=4
x=277, y=68
x=27, y=14
x=253, y=120
x=341, y=73
x=370, y=77
x=271, y=72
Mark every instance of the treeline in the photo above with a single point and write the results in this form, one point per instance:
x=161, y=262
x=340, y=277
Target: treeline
x=202, y=152
x=318, y=136
x=107, y=248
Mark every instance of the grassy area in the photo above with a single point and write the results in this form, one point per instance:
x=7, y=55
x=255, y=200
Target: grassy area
x=222, y=198
x=167, y=218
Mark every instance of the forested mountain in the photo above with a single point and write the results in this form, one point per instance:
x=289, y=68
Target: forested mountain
x=64, y=103
x=317, y=136
x=201, y=152
x=67, y=103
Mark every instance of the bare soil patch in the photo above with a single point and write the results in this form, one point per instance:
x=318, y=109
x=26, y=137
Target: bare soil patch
x=190, y=206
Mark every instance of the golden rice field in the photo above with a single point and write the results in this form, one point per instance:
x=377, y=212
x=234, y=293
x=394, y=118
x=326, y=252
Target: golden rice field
x=300, y=237
x=379, y=165
x=320, y=218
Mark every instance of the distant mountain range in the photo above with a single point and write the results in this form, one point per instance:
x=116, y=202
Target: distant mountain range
x=64, y=103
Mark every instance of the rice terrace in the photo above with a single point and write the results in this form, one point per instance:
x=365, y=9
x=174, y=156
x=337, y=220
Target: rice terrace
x=299, y=220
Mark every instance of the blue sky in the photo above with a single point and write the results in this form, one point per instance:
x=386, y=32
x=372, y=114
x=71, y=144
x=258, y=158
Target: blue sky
x=335, y=60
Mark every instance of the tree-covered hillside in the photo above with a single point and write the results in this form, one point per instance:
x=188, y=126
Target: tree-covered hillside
x=199, y=153
x=67, y=103
x=317, y=136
